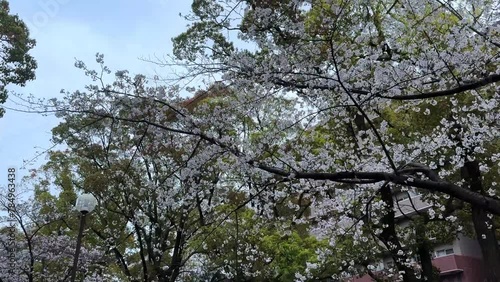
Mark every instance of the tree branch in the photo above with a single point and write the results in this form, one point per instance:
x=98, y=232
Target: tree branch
x=459, y=89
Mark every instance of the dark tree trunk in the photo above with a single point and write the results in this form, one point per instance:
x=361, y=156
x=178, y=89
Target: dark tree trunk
x=144, y=264
x=424, y=253
x=483, y=226
x=488, y=243
x=175, y=265
x=390, y=239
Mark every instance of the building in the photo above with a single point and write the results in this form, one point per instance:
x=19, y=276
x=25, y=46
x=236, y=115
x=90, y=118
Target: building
x=458, y=261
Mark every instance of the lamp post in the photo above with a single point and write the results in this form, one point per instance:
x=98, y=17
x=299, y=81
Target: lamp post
x=85, y=203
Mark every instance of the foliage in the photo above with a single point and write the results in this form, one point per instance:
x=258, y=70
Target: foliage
x=248, y=248
x=17, y=66
x=336, y=108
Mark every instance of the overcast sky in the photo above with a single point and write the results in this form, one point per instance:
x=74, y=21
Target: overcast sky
x=123, y=30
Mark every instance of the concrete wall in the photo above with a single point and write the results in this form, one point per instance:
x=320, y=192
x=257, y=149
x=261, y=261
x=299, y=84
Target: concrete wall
x=467, y=247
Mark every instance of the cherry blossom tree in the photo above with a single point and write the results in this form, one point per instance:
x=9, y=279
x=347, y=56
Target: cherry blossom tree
x=345, y=102
x=44, y=246
x=160, y=189
x=372, y=57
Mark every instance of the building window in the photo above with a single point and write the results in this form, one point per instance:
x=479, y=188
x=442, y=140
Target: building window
x=443, y=252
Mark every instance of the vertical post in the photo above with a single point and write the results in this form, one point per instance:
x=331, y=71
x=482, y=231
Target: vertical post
x=78, y=245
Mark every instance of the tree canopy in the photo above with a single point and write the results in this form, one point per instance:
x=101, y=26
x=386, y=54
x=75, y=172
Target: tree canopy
x=17, y=66
x=324, y=112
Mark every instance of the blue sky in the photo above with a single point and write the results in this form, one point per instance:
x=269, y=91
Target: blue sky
x=123, y=30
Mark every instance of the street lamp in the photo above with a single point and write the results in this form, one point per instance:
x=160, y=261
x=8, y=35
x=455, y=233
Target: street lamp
x=85, y=203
